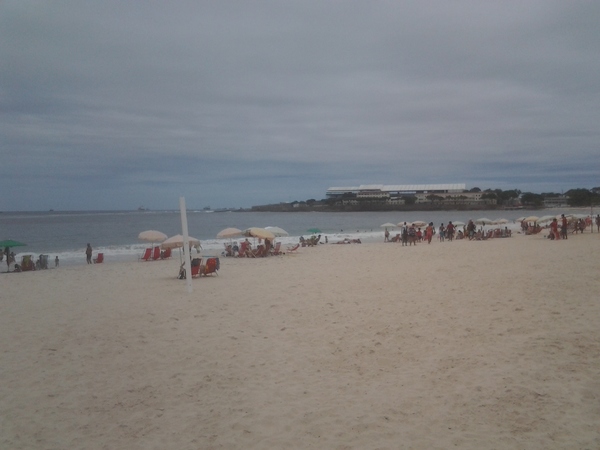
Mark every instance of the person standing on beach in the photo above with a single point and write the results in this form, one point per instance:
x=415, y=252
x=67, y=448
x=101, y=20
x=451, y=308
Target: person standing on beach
x=7, y=255
x=598, y=222
x=429, y=232
x=564, y=226
x=386, y=235
x=450, y=231
x=554, y=229
x=404, y=234
x=88, y=254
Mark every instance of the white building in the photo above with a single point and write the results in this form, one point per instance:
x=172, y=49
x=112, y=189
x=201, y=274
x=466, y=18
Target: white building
x=456, y=194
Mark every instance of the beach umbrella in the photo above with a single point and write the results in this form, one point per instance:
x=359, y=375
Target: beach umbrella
x=152, y=236
x=314, y=230
x=531, y=219
x=419, y=223
x=545, y=219
x=483, y=221
x=278, y=232
x=257, y=232
x=177, y=242
x=520, y=219
x=458, y=224
x=500, y=221
x=388, y=225
x=10, y=243
x=229, y=233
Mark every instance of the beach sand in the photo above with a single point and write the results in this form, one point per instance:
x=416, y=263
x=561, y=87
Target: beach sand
x=470, y=345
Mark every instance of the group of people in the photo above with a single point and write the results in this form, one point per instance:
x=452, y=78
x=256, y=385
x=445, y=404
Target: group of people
x=411, y=235
x=561, y=231
x=245, y=249
x=311, y=241
x=559, y=228
x=27, y=262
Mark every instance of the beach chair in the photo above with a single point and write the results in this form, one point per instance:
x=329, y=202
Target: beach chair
x=166, y=254
x=43, y=262
x=146, y=255
x=99, y=259
x=277, y=249
x=156, y=253
x=293, y=249
x=196, y=265
x=212, y=266
x=27, y=263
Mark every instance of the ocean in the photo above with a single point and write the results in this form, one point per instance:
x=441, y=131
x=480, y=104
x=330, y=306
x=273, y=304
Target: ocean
x=65, y=234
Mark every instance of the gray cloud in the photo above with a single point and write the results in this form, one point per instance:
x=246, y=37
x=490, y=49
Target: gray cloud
x=110, y=105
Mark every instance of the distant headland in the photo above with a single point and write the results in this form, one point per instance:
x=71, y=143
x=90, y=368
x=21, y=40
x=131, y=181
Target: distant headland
x=441, y=197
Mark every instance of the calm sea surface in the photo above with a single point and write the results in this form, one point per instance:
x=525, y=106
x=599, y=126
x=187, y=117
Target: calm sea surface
x=115, y=232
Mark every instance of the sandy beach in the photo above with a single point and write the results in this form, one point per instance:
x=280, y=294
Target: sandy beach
x=491, y=344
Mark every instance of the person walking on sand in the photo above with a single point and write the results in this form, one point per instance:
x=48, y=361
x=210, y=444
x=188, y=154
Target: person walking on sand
x=429, y=232
x=442, y=233
x=598, y=222
x=88, y=254
x=386, y=235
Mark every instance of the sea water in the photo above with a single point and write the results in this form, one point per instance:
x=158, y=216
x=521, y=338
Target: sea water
x=115, y=233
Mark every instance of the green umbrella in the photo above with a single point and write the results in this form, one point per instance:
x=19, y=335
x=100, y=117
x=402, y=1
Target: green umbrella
x=314, y=230
x=11, y=243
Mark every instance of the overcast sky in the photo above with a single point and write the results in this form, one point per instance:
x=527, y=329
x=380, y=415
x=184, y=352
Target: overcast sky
x=233, y=103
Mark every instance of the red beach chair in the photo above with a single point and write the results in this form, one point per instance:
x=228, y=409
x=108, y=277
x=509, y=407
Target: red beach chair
x=212, y=265
x=293, y=249
x=146, y=255
x=166, y=254
x=99, y=259
x=156, y=253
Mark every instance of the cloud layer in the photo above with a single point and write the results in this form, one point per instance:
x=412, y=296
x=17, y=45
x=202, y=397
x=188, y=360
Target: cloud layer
x=112, y=105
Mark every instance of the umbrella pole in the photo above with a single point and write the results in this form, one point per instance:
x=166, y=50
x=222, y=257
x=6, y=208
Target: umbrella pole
x=186, y=245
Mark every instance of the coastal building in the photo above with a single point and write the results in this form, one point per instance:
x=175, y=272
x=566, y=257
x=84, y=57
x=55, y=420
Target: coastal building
x=399, y=194
x=560, y=201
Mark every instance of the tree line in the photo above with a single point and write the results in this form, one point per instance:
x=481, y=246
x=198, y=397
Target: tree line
x=579, y=197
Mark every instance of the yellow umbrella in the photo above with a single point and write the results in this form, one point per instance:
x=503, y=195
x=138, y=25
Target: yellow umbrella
x=258, y=233
x=229, y=233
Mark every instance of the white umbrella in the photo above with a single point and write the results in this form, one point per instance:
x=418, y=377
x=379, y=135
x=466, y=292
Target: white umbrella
x=483, y=221
x=177, y=242
x=458, y=224
x=152, y=236
x=545, y=219
x=229, y=233
x=419, y=223
x=500, y=221
x=278, y=232
x=531, y=219
x=388, y=225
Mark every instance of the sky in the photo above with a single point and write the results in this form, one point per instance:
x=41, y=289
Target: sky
x=112, y=105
